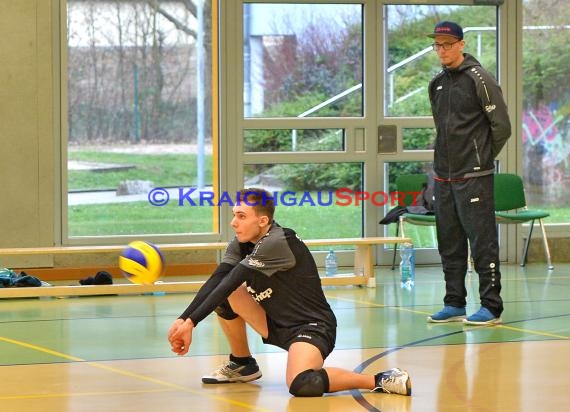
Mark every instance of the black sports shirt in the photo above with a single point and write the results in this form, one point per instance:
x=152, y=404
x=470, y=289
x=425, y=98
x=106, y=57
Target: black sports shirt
x=280, y=274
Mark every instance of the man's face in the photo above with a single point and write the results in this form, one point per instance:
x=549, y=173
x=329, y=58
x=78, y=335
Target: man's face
x=454, y=56
x=247, y=226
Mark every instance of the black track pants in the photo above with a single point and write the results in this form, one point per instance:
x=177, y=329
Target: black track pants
x=465, y=211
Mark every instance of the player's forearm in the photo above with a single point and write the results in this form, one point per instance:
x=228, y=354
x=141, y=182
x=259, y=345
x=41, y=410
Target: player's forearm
x=219, y=294
x=221, y=271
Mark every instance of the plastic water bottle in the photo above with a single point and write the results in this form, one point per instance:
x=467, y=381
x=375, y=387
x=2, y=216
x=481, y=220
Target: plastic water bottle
x=330, y=264
x=407, y=265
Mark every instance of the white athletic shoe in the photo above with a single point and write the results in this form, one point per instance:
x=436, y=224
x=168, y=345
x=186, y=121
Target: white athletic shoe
x=231, y=372
x=393, y=381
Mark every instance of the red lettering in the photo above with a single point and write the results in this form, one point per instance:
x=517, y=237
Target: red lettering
x=384, y=198
x=415, y=196
x=397, y=198
x=358, y=196
x=340, y=195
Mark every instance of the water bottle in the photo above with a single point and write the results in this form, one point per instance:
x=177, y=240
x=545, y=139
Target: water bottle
x=407, y=265
x=330, y=264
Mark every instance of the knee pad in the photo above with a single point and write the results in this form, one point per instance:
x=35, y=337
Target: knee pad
x=225, y=311
x=310, y=383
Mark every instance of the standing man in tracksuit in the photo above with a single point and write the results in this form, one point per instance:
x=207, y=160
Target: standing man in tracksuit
x=472, y=127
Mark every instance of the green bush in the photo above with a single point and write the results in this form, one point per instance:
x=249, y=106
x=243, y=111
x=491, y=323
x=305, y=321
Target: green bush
x=320, y=176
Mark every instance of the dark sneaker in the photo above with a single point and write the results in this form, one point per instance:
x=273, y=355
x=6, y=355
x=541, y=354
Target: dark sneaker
x=448, y=314
x=482, y=317
x=393, y=381
x=231, y=372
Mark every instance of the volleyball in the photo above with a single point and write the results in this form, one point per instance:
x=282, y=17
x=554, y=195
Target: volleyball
x=141, y=262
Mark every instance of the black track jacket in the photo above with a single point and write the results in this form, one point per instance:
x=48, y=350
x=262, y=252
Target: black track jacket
x=471, y=120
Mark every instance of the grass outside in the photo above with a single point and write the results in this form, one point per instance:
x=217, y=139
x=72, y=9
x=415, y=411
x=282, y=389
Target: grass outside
x=164, y=170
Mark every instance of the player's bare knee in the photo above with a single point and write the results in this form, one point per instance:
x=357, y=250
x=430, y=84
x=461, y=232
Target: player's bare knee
x=310, y=383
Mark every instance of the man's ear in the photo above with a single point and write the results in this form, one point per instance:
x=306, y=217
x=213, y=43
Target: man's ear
x=263, y=221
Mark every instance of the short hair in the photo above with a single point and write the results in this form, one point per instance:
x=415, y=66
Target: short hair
x=260, y=199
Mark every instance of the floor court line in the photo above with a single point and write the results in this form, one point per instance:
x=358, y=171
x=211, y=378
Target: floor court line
x=126, y=373
x=85, y=394
x=505, y=325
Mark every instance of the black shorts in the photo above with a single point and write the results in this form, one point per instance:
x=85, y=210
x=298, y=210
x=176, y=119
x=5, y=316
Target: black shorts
x=320, y=335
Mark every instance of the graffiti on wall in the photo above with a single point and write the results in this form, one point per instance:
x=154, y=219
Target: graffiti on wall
x=546, y=153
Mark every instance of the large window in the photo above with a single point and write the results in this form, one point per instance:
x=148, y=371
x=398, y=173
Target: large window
x=546, y=103
x=140, y=116
x=302, y=60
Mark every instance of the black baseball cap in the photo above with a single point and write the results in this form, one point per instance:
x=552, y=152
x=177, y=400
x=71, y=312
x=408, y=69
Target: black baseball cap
x=447, y=28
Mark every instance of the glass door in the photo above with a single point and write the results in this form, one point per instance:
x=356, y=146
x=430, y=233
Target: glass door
x=298, y=106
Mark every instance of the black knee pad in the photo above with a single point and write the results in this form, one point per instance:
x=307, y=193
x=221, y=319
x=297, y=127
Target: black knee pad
x=225, y=311
x=310, y=383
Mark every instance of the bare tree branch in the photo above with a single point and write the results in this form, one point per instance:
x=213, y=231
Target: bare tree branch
x=190, y=6
x=177, y=23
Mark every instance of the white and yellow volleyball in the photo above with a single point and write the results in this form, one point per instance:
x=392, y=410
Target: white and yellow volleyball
x=142, y=262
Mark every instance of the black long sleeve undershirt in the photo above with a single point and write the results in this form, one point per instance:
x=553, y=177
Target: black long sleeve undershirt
x=215, y=278
x=215, y=291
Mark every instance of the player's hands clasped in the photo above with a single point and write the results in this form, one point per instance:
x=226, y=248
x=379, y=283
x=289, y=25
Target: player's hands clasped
x=180, y=336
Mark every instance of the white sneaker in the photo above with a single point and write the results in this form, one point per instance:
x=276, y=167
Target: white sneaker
x=393, y=381
x=231, y=372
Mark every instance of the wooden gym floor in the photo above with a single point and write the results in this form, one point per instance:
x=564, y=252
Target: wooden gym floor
x=111, y=354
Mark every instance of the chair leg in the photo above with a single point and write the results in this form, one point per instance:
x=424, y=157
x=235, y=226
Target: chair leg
x=526, y=244
x=545, y=242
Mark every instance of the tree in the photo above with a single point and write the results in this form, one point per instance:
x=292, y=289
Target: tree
x=132, y=70
x=192, y=8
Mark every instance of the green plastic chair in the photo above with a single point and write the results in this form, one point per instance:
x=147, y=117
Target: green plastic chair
x=511, y=208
